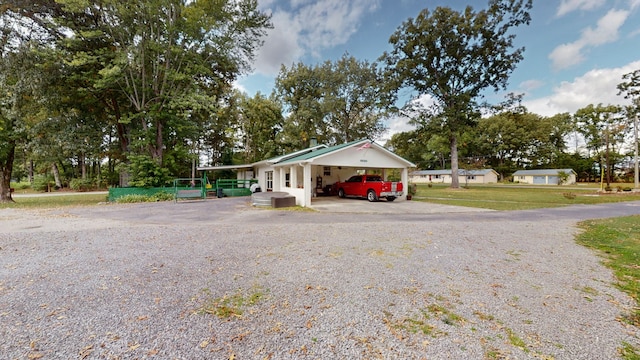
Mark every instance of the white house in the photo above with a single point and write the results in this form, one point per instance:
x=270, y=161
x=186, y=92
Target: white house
x=310, y=172
x=544, y=176
x=482, y=176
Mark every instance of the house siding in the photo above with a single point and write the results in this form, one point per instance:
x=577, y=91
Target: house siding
x=486, y=176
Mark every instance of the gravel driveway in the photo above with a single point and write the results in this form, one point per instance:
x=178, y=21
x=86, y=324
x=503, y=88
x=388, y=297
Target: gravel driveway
x=219, y=279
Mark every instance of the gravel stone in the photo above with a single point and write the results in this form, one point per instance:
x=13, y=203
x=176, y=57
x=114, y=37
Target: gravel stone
x=140, y=281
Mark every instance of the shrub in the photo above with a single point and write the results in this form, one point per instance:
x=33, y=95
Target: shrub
x=135, y=198
x=145, y=172
x=23, y=185
x=162, y=196
x=569, y=195
x=81, y=184
x=43, y=183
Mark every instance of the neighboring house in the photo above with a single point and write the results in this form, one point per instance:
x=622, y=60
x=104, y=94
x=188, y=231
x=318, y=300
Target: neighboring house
x=310, y=172
x=544, y=176
x=483, y=176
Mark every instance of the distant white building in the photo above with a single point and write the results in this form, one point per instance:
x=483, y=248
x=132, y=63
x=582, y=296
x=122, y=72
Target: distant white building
x=482, y=176
x=544, y=177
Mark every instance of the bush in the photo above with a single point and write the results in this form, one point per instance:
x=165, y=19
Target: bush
x=23, y=185
x=145, y=172
x=163, y=196
x=81, y=184
x=43, y=183
x=133, y=198
x=569, y=195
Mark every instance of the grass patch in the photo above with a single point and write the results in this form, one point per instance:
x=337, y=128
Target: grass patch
x=417, y=324
x=618, y=241
x=232, y=305
x=54, y=201
x=517, y=341
x=503, y=197
x=446, y=315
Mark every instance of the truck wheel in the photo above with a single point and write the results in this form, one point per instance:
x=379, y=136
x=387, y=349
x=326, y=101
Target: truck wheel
x=341, y=193
x=390, y=198
x=371, y=196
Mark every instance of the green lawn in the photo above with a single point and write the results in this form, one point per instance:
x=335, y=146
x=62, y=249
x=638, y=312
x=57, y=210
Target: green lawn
x=48, y=201
x=617, y=240
x=505, y=197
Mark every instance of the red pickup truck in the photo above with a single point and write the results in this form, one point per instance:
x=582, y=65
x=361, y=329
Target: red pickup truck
x=370, y=186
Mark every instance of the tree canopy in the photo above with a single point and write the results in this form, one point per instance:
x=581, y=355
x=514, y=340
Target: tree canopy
x=453, y=57
x=334, y=102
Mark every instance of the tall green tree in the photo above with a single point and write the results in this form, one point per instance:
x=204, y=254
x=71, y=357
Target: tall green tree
x=164, y=59
x=603, y=129
x=300, y=90
x=335, y=102
x=453, y=57
x=261, y=124
x=22, y=37
x=630, y=89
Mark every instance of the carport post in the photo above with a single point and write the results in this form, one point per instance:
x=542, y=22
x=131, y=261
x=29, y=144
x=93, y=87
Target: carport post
x=307, y=185
x=405, y=182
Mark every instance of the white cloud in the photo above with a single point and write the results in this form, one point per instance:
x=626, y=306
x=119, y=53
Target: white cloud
x=309, y=28
x=281, y=45
x=598, y=86
x=567, y=55
x=395, y=125
x=529, y=85
x=567, y=6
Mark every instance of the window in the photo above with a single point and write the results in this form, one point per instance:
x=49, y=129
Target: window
x=471, y=177
x=327, y=171
x=287, y=180
x=269, y=180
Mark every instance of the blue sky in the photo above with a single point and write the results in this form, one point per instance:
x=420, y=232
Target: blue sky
x=576, y=50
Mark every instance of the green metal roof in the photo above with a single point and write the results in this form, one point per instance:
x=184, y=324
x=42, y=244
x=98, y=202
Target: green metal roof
x=319, y=152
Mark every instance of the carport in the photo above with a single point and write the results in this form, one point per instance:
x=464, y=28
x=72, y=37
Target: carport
x=310, y=172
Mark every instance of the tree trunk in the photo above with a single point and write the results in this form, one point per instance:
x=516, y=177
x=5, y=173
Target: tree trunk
x=56, y=175
x=453, y=142
x=30, y=171
x=83, y=166
x=158, y=153
x=6, y=169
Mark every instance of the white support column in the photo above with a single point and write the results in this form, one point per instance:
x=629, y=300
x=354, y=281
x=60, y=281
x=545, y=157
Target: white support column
x=277, y=180
x=293, y=177
x=405, y=183
x=308, y=185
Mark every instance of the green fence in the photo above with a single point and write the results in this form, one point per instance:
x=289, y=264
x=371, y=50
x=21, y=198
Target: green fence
x=233, y=187
x=116, y=193
x=222, y=187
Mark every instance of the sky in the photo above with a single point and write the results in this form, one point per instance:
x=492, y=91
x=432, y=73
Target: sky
x=576, y=51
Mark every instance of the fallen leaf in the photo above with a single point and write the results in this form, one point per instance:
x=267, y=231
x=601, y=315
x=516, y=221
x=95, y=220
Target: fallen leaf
x=86, y=351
